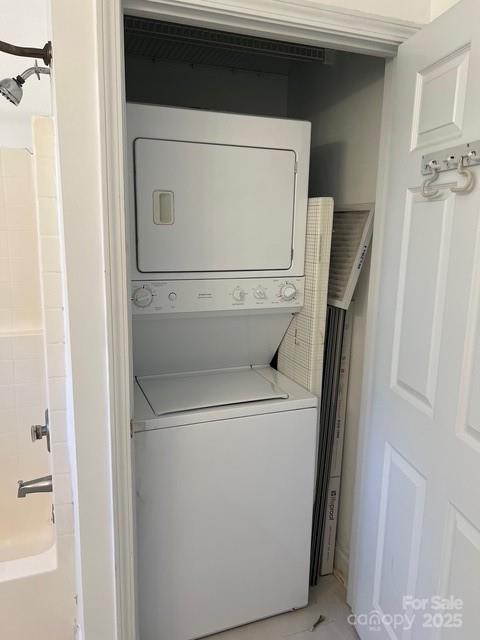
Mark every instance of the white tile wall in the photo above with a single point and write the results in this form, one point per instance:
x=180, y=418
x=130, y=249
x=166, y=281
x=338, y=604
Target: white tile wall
x=54, y=318
x=22, y=366
x=20, y=309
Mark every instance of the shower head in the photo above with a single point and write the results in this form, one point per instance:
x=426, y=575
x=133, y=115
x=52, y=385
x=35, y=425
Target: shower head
x=12, y=88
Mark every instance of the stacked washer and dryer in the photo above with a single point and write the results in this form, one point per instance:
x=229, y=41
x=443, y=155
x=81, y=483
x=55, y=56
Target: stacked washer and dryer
x=224, y=445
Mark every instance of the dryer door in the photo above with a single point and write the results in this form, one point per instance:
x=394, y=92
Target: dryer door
x=210, y=207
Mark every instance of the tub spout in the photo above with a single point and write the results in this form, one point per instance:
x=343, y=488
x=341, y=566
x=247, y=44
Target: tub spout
x=37, y=485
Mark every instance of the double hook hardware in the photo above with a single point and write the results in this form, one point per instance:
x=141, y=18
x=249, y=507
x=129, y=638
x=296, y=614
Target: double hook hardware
x=461, y=158
x=435, y=170
x=467, y=174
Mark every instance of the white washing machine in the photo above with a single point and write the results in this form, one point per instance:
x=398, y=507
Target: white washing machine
x=224, y=499
x=224, y=445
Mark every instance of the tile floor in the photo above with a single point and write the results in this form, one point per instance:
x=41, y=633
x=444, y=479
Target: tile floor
x=327, y=599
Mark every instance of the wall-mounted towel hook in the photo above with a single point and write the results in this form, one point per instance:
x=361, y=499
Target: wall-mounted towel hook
x=426, y=193
x=466, y=173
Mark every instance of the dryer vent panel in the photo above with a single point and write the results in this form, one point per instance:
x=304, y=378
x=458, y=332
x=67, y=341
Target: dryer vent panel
x=351, y=236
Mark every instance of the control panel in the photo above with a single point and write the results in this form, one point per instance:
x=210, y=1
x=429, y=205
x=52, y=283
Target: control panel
x=181, y=296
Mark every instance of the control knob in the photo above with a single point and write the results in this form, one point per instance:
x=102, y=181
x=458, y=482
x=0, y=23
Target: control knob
x=260, y=293
x=142, y=297
x=238, y=294
x=288, y=292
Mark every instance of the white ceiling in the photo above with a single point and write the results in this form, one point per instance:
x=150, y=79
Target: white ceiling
x=24, y=23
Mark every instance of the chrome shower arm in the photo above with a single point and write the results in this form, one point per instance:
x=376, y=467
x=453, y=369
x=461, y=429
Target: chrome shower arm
x=34, y=71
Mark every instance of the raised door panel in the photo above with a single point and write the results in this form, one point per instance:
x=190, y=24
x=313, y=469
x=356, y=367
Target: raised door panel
x=398, y=542
x=468, y=418
x=440, y=100
x=461, y=580
x=421, y=297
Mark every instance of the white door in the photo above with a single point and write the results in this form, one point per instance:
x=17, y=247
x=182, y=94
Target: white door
x=419, y=514
x=213, y=207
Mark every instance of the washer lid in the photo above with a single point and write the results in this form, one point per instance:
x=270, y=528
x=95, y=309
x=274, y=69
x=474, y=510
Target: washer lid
x=187, y=391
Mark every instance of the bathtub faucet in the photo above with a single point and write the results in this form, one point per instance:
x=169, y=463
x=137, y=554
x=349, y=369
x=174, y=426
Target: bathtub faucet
x=37, y=485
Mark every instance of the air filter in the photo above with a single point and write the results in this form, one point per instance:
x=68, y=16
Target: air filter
x=352, y=232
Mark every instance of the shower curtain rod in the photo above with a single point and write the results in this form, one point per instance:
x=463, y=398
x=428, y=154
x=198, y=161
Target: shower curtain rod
x=29, y=52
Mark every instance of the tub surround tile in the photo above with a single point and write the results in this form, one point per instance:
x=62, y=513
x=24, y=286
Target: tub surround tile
x=8, y=421
x=57, y=394
x=61, y=463
x=47, y=216
x=43, y=135
x=4, y=270
x=18, y=194
x=24, y=269
x=5, y=295
x=46, y=177
x=6, y=348
x=56, y=360
x=3, y=244
x=7, y=373
x=54, y=326
x=20, y=217
x=6, y=320
x=22, y=244
x=50, y=252
x=62, y=484
x=29, y=370
x=58, y=422
x=7, y=397
x=26, y=416
x=26, y=318
x=26, y=297
x=30, y=394
x=33, y=459
x=64, y=519
x=8, y=470
x=16, y=162
x=52, y=290
x=28, y=346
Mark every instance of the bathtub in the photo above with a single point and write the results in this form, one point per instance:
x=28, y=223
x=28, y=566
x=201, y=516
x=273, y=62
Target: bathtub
x=27, y=538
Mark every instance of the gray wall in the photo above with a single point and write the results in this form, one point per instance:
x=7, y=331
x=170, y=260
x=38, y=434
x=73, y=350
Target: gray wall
x=344, y=104
x=200, y=87
x=343, y=101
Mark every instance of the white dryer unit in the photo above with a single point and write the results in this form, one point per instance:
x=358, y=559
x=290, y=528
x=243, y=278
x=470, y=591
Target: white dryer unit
x=216, y=194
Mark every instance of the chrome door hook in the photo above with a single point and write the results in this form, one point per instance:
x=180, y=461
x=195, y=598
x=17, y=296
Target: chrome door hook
x=466, y=173
x=426, y=193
